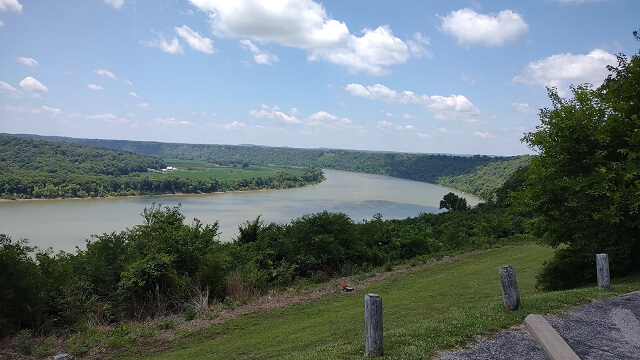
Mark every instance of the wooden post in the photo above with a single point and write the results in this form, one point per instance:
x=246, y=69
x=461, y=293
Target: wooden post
x=510, y=293
x=602, y=266
x=373, y=325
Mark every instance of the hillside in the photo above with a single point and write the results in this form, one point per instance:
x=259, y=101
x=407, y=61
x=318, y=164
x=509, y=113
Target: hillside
x=34, y=168
x=478, y=174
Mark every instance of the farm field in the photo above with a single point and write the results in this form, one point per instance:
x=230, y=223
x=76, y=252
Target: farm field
x=198, y=169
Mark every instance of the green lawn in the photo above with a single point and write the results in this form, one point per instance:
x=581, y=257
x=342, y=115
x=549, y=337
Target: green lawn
x=433, y=308
x=197, y=169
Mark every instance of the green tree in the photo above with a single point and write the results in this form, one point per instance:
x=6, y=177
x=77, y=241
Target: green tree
x=453, y=202
x=584, y=185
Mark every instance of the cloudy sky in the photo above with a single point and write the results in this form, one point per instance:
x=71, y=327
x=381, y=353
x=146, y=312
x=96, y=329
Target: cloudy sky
x=416, y=76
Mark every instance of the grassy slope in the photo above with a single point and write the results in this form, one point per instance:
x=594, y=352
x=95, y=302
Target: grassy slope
x=436, y=307
x=196, y=169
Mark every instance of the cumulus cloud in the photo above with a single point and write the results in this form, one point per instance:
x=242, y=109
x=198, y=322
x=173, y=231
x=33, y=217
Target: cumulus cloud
x=108, y=118
x=33, y=87
x=10, y=5
x=128, y=82
x=259, y=56
x=143, y=106
x=195, y=40
x=371, y=53
x=117, y=4
x=305, y=24
x=388, y=125
x=472, y=28
x=483, y=135
x=52, y=111
x=105, y=73
x=4, y=87
x=172, y=121
x=172, y=47
x=422, y=135
x=325, y=118
x=235, y=125
x=27, y=61
x=418, y=46
x=454, y=107
x=274, y=113
x=133, y=94
x=94, y=87
x=524, y=108
x=561, y=70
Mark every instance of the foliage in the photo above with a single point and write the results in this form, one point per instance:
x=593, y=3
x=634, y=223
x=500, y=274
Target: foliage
x=479, y=175
x=584, y=185
x=453, y=202
x=46, y=170
x=163, y=265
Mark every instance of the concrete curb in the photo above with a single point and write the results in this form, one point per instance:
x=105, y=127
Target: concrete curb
x=551, y=342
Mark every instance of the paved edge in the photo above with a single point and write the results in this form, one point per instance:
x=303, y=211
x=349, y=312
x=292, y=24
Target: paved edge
x=551, y=342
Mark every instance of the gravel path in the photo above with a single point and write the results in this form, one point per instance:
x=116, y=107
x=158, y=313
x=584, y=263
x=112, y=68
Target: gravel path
x=602, y=330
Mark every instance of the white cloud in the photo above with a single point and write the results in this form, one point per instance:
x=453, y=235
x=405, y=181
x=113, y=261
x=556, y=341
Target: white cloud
x=324, y=118
x=27, y=61
x=108, y=118
x=388, y=125
x=34, y=87
x=471, y=80
x=128, y=82
x=195, y=40
x=171, y=47
x=524, y=108
x=1, y=23
x=4, y=87
x=105, y=73
x=408, y=116
x=482, y=135
x=259, y=56
x=386, y=113
x=10, y=5
x=94, y=87
x=235, y=125
x=370, y=53
x=472, y=28
x=561, y=70
x=422, y=135
x=52, y=111
x=274, y=113
x=172, y=121
x=117, y=4
x=305, y=24
x=143, y=106
x=133, y=94
x=418, y=46
x=454, y=107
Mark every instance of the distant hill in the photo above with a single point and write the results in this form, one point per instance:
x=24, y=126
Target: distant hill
x=476, y=174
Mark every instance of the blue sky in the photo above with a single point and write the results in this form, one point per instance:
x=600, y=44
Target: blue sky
x=464, y=77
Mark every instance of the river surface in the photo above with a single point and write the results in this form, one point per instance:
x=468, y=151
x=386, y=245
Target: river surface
x=65, y=224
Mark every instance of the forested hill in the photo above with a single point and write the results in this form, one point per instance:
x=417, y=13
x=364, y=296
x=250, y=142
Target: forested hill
x=478, y=174
x=38, y=156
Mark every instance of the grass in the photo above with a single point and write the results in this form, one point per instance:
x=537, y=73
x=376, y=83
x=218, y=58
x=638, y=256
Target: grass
x=427, y=310
x=197, y=169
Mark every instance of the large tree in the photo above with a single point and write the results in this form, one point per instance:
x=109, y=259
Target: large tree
x=584, y=186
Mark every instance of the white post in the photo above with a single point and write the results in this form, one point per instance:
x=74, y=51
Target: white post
x=373, y=325
x=510, y=293
x=602, y=267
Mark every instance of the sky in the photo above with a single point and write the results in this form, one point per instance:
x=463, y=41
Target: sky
x=459, y=76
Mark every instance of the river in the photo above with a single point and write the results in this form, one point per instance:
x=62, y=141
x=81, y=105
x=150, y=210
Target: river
x=67, y=223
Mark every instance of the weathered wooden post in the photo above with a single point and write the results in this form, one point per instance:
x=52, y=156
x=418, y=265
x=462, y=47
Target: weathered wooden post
x=373, y=325
x=510, y=293
x=602, y=267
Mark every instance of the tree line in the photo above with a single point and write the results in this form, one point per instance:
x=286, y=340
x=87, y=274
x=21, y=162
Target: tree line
x=46, y=170
x=478, y=174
